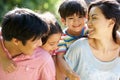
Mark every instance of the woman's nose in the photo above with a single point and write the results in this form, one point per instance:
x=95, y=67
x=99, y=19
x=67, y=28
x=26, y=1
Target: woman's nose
x=88, y=22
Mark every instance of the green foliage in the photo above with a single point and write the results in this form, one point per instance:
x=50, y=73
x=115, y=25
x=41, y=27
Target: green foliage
x=36, y=5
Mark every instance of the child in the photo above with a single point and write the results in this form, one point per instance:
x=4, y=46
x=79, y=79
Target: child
x=50, y=43
x=73, y=16
x=12, y=18
x=22, y=30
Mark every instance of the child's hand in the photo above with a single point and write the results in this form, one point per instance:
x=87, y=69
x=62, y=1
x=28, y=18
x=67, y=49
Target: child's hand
x=8, y=65
x=73, y=76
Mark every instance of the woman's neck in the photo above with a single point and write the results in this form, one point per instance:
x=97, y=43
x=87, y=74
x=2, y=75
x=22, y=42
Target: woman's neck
x=104, y=50
x=104, y=44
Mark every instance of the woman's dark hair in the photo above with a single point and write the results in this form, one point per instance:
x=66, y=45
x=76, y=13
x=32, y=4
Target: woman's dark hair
x=111, y=10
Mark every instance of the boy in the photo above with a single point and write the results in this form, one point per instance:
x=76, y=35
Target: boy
x=22, y=30
x=73, y=15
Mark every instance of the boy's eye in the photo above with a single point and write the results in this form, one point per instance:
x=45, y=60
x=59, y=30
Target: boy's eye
x=70, y=18
x=93, y=17
x=81, y=16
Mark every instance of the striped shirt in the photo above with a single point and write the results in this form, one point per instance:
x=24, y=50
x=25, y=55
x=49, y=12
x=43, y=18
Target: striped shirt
x=67, y=40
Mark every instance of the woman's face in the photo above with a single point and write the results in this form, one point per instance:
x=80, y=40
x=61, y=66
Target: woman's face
x=97, y=23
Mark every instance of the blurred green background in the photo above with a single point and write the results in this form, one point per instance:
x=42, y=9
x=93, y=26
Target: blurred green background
x=36, y=5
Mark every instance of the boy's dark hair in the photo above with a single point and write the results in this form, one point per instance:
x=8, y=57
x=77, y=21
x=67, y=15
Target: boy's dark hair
x=53, y=25
x=23, y=24
x=69, y=7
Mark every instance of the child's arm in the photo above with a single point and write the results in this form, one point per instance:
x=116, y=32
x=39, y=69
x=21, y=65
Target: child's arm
x=64, y=67
x=7, y=64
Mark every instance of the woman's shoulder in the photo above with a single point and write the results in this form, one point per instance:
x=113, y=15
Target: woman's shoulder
x=81, y=41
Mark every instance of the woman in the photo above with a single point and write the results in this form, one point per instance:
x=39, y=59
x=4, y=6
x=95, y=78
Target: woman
x=97, y=58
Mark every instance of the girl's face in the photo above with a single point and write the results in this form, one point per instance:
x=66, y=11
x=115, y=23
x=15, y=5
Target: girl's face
x=97, y=23
x=52, y=43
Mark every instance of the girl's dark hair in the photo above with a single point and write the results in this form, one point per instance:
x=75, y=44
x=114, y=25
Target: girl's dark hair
x=111, y=10
x=53, y=25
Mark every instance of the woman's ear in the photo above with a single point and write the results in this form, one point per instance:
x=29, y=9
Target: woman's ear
x=63, y=21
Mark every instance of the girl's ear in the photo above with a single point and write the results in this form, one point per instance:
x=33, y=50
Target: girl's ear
x=15, y=41
x=63, y=21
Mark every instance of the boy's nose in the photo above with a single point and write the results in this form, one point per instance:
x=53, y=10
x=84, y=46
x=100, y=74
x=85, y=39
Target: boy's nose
x=76, y=21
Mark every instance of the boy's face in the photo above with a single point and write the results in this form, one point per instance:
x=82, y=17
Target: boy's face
x=29, y=47
x=75, y=23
